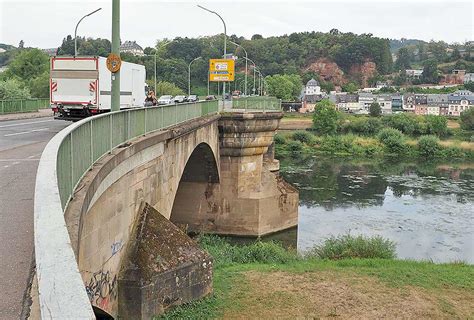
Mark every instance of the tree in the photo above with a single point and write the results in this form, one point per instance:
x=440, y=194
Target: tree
x=325, y=118
x=257, y=37
x=456, y=55
x=403, y=59
x=430, y=71
x=28, y=64
x=375, y=110
x=469, y=86
x=13, y=89
x=350, y=87
x=163, y=88
x=39, y=86
x=21, y=45
x=285, y=87
x=467, y=119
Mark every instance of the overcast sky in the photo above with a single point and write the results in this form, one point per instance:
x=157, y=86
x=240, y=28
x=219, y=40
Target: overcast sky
x=45, y=23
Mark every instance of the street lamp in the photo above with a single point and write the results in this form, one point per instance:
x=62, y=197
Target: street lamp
x=189, y=75
x=75, y=31
x=246, y=59
x=225, y=42
x=254, y=67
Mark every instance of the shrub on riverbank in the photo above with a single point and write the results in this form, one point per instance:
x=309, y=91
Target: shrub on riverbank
x=393, y=140
x=428, y=146
x=348, y=246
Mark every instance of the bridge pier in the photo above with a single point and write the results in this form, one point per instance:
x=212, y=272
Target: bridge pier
x=250, y=198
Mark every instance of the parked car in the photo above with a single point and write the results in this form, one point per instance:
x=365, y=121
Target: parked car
x=166, y=99
x=210, y=98
x=192, y=98
x=180, y=99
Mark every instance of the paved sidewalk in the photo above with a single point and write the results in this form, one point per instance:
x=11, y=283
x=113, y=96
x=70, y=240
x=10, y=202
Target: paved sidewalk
x=27, y=115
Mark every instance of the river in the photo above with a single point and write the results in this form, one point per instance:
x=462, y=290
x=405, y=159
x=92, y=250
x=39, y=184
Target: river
x=425, y=208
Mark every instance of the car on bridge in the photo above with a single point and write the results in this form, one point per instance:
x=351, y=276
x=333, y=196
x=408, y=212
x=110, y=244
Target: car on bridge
x=192, y=98
x=166, y=99
x=179, y=99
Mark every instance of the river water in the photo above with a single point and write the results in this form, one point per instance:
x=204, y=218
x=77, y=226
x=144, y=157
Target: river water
x=425, y=208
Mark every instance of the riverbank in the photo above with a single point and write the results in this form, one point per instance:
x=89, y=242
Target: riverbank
x=388, y=142
x=267, y=281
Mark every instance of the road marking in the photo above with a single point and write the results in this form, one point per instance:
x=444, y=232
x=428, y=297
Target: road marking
x=25, y=123
x=24, y=132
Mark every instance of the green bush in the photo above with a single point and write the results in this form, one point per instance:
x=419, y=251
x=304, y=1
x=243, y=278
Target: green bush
x=393, y=140
x=225, y=253
x=325, y=118
x=295, y=147
x=337, y=144
x=348, y=246
x=437, y=125
x=428, y=146
x=303, y=136
x=364, y=125
x=279, y=139
x=452, y=152
x=407, y=124
x=467, y=119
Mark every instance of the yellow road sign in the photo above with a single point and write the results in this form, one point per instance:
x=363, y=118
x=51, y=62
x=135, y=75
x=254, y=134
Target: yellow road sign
x=221, y=70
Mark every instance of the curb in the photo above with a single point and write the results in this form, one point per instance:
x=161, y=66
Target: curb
x=29, y=115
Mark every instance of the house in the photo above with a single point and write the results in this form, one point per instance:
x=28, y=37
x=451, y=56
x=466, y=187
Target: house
x=381, y=84
x=131, y=47
x=437, y=104
x=50, y=51
x=414, y=73
x=458, y=103
x=409, y=102
x=365, y=100
x=385, y=102
x=468, y=77
x=348, y=103
x=421, y=109
x=309, y=102
x=397, y=103
x=312, y=87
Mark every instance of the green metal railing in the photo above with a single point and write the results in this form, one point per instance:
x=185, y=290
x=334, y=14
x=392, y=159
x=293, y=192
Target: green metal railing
x=263, y=103
x=23, y=105
x=95, y=136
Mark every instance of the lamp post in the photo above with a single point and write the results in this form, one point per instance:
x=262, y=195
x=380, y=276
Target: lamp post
x=254, y=66
x=75, y=31
x=225, y=42
x=246, y=59
x=189, y=74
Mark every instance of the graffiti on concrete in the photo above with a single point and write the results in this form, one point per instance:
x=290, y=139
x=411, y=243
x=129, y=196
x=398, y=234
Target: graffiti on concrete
x=116, y=246
x=102, y=288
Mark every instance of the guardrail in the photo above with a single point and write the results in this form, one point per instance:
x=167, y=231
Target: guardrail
x=22, y=105
x=65, y=160
x=263, y=103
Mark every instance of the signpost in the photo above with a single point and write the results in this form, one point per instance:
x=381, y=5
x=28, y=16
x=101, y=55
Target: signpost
x=221, y=70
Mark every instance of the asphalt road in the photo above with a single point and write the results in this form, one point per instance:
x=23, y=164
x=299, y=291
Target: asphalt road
x=21, y=145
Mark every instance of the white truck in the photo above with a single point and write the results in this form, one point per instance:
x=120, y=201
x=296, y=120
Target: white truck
x=81, y=86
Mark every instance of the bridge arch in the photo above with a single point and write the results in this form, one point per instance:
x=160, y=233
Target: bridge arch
x=200, y=177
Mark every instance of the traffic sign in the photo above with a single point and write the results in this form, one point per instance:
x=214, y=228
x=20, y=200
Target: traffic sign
x=114, y=62
x=221, y=70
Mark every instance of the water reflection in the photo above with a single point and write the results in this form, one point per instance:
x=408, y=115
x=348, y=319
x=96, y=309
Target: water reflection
x=425, y=207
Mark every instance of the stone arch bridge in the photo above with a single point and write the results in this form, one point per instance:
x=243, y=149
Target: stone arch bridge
x=101, y=219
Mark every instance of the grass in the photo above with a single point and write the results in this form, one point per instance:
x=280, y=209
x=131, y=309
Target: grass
x=233, y=264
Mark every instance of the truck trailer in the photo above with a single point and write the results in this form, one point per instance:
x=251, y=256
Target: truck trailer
x=81, y=86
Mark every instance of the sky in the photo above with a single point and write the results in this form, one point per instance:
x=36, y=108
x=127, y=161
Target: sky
x=44, y=23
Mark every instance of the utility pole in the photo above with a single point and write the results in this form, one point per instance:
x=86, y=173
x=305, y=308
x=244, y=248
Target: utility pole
x=115, y=102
